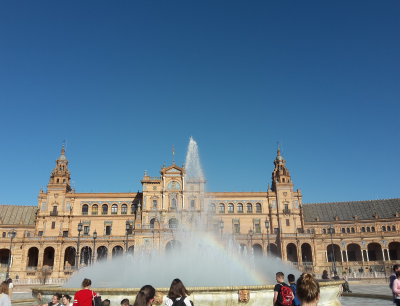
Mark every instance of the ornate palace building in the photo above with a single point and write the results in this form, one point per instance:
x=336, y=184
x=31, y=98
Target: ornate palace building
x=311, y=236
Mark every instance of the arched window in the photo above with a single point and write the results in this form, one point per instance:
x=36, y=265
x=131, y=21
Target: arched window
x=211, y=208
x=221, y=208
x=114, y=209
x=368, y=229
x=372, y=229
x=152, y=222
x=258, y=208
x=363, y=229
x=85, y=209
x=240, y=208
x=388, y=228
x=4, y=234
x=393, y=227
x=308, y=231
x=249, y=208
x=384, y=228
x=95, y=209
x=173, y=223
x=124, y=209
x=104, y=209
x=348, y=230
x=323, y=231
x=133, y=208
x=353, y=231
x=173, y=203
x=58, y=180
x=343, y=230
x=230, y=208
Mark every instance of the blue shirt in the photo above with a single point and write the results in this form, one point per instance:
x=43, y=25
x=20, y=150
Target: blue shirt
x=296, y=301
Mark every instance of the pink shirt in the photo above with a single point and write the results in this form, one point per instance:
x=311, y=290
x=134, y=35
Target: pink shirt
x=396, y=288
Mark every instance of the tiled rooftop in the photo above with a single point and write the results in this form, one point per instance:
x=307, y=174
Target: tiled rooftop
x=14, y=214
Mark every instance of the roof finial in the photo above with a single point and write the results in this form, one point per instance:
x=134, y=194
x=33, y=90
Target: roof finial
x=63, y=148
x=173, y=155
x=279, y=151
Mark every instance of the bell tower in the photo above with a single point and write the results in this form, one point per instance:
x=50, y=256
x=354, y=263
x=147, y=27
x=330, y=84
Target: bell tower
x=280, y=175
x=60, y=176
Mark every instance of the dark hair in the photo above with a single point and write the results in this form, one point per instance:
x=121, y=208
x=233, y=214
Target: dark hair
x=125, y=302
x=280, y=274
x=144, y=296
x=307, y=288
x=67, y=297
x=106, y=302
x=177, y=289
x=395, y=267
x=4, y=287
x=291, y=278
x=335, y=273
x=398, y=274
x=86, y=282
x=58, y=295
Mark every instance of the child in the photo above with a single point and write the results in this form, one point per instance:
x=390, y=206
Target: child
x=292, y=286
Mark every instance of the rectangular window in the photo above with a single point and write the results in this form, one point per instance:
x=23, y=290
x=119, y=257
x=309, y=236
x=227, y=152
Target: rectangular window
x=257, y=228
x=191, y=203
x=65, y=233
x=276, y=231
x=299, y=230
x=86, y=230
x=155, y=203
x=286, y=207
x=236, y=228
x=54, y=208
x=287, y=222
x=40, y=233
x=53, y=225
x=108, y=230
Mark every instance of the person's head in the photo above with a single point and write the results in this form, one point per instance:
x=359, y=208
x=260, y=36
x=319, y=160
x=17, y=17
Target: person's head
x=86, y=283
x=66, y=300
x=307, y=288
x=398, y=273
x=280, y=277
x=325, y=272
x=145, y=296
x=9, y=280
x=56, y=298
x=335, y=273
x=4, y=287
x=395, y=268
x=125, y=302
x=106, y=302
x=291, y=278
x=177, y=289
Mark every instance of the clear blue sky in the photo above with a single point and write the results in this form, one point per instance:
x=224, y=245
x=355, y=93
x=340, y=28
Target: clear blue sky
x=123, y=80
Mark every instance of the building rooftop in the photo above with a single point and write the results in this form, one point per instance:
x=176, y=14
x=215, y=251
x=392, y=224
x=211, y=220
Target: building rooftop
x=350, y=211
x=14, y=214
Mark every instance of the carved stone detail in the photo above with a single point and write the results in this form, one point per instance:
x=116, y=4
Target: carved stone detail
x=244, y=295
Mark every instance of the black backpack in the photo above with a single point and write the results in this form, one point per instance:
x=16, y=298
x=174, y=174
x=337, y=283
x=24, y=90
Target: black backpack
x=180, y=302
x=96, y=300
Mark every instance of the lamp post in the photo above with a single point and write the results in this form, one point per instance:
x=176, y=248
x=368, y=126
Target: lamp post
x=128, y=227
x=251, y=239
x=79, y=243
x=94, y=245
x=221, y=226
x=333, y=250
x=267, y=227
x=12, y=236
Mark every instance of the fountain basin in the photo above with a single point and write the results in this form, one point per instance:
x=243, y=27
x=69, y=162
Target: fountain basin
x=201, y=296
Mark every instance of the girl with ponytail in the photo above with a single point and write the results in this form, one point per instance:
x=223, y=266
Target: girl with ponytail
x=145, y=296
x=307, y=290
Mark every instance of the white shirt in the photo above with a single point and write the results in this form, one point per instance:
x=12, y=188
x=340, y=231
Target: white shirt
x=169, y=302
x=5, y=300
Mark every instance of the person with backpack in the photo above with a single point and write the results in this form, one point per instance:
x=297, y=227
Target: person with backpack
x=283, y=295
x=292, y=285
x=145, y=297
x=178, y=295
x=4, y=298
x=86, y=297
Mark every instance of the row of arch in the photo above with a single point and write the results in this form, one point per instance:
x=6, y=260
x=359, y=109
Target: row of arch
x=86, y=256
x=105, y=209
x=231, y=208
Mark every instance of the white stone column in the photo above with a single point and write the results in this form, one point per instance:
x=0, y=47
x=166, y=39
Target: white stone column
x=347, y=257
x=163, y=196
x=383, y=254
x=362, y=255
x=366, y=252
x=183, y=201
x=341, y=254
x=326, y=256
x=183, y=183
x=387, y=250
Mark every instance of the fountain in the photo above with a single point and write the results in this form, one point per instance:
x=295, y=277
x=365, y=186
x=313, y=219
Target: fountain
x=203, y=260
